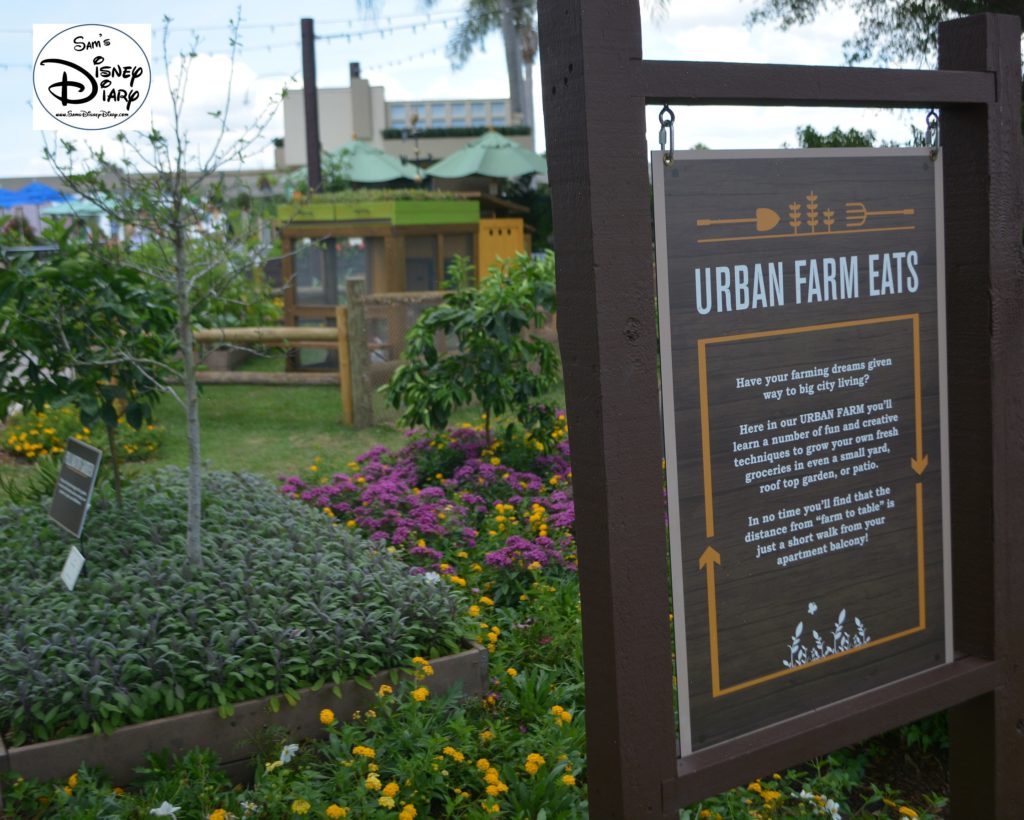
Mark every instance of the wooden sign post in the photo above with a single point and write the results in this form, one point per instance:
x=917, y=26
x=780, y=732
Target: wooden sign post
x=596, y=85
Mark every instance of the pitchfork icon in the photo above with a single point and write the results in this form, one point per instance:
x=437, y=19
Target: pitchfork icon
x=857, y=214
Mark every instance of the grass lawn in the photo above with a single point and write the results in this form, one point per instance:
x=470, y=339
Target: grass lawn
x=268, y=430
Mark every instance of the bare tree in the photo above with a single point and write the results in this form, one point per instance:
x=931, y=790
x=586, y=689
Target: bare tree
x=171, y=191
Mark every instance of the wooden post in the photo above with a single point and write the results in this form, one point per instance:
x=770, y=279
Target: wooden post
x=311, y=103
x=983, y=166
x=606, y=298
x=344, y=365
x=359, y=354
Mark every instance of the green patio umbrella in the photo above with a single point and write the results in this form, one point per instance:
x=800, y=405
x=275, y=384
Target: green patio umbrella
x=365, y=163
x=493, y=155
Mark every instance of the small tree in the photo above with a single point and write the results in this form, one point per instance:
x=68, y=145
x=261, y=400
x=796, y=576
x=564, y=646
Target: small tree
x=169, y=190
x=81, y=327
x=499, y=363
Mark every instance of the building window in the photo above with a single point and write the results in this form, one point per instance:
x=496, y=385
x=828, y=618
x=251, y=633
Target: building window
x=479, y=109
x=438, y=114
x=459, y=110
x=397, y=116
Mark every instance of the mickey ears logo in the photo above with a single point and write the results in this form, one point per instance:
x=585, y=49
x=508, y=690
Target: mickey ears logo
x=90, y=77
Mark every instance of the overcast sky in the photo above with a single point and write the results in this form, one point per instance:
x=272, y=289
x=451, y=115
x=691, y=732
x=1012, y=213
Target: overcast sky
x=402, y=49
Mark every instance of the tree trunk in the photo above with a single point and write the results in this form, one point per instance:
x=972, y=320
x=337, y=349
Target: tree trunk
x=513, y=61
x=193, y=547
x=115, y=463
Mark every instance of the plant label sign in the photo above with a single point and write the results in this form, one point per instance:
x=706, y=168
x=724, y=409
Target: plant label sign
x=75, y=483
x=803, y=370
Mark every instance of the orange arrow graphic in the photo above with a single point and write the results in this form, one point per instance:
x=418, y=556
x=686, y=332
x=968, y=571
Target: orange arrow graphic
x=708, y=559
x=920, y=463
x=920, y=556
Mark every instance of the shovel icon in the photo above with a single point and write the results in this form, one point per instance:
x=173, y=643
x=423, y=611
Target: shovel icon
x=857, y=214
x=764, y=219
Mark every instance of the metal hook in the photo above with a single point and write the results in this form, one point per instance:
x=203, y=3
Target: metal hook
x=667, y=118
x=931, y=133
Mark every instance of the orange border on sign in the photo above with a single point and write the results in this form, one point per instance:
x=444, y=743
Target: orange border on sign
x=710, y=556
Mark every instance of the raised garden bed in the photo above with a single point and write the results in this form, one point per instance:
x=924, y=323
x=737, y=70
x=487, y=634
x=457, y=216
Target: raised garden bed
x=286, y=600
x=235, y=739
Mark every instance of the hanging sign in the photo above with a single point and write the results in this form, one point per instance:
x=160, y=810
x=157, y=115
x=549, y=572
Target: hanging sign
x=75, y=483
x=803, y=374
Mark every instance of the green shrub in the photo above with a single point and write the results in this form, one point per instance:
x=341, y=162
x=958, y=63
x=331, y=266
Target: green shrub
x=285, y=600
x=499, y=363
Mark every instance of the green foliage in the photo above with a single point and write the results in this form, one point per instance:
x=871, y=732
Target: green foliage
x=75, y=326
x=537, y=198
x=836, y=138
x=499, y=362
x=890, y=30
x=284, y=601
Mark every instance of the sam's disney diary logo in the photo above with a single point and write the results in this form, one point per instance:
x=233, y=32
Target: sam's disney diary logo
x=90, y=77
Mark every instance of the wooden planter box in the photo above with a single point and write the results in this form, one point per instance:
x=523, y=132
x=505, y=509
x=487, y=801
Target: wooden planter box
x=233, y=738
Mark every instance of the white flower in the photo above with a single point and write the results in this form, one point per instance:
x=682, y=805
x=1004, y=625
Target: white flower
x=431, y=577
x=288, y=752
x=812, y=608
x=165, y=809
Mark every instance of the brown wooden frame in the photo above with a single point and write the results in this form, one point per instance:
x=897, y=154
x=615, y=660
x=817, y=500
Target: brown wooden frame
x=596, y=85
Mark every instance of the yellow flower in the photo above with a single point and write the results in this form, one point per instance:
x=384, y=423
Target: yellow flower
x=73, y=780
x=487, y=601
x=483, y=764
x=334, y=811
x=511, y=672
x=218, y=814
x=568, y=780
x=274, y=764
x=474, y=611
x=300, y=807
x=118, y=791
x=454, y=754
x=906, y=811
x=384, y=690
x=533, y=763
x=420, y=694
x=391, y=789
x=68, y=791
x=372, y=782
x=408, y=812
x=534, y=566
x=326, y=717
x=364, y=751
x=386, y=802
x=486, y=735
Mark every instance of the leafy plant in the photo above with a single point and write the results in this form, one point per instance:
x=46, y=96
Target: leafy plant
x=285, y=601
x=499, y=363
x=81, y=327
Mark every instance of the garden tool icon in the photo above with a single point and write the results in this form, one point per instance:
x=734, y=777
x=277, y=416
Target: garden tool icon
x=764, y=219
x=857, y=214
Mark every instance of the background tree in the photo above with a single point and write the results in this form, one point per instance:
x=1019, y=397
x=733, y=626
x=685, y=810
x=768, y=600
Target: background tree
x=499, y=363
x=517, y=22
x=170, y=191
x=890, y=30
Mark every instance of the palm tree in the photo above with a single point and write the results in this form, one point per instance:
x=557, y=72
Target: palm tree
x=517, y=22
